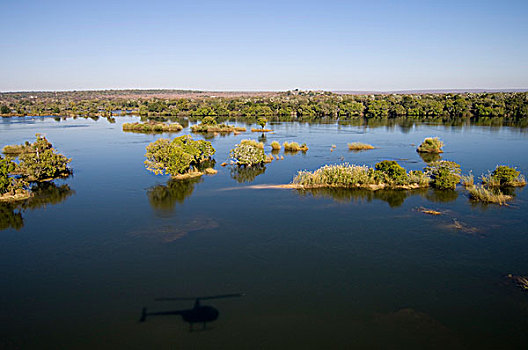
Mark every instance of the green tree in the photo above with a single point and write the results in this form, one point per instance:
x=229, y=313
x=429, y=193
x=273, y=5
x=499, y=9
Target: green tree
x=262, y=122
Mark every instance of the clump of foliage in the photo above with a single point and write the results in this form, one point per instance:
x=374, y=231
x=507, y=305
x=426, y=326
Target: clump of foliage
x=180, y=156
x=485, y=195
x=9, y=184
x=504, y=176
x=249, y=153
x=152, y=127
x=431, y=145
x=38, y=161
x=359, y=146
x=261, y=121
x=275, y=146
x=294, y=147
x=389, y=171
x=209, y=120
x=444, y=174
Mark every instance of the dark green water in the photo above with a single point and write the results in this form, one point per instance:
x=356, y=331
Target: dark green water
x=319, y=270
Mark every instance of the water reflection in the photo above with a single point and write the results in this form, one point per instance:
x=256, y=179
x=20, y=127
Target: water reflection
x=197, y=314
x=394, y=198
x=429, y=157
x=243, y=174
x=43, y=194
x=441, y=196
x=165, y=197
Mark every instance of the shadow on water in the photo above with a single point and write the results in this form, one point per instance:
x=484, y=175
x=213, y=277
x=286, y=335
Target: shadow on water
x=44, y=193
x=243, y=174
x=199, y=313
x=163, y=198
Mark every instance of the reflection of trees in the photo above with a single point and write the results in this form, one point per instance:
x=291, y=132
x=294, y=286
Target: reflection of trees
x=441, y=196
x=430, y=157
x=44, y=193
x=246, y=174
x=394, y=198
x=10, y=217
x=164, y=197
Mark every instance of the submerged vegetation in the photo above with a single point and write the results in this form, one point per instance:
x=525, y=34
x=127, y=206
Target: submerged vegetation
x=181, y=157
x=431, y=145
x=359, y=146
x=152, y=127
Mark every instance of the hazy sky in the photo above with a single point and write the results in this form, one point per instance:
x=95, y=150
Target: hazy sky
x=263, y=45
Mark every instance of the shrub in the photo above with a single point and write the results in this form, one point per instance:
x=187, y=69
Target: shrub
x=393, y=171
x=179, y=156
x=275, y=145
x=152, y=127
x=209, y=121
x=431, y=145
x=248, y=153
x=467, y=180
x=358, y=146
x=444, y=174
x=504, y=176
x=261, y=121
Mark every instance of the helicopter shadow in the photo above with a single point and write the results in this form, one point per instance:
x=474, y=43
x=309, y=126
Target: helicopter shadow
x=198, y=314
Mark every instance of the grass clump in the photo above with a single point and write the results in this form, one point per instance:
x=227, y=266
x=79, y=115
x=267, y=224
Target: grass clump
x=431, y=145
x=359, y=146
x=152, y=127
x=504, y=176
x=249, y=153
x=485, y=195
x=294, y=147
x=468, y=180
x=275, y=146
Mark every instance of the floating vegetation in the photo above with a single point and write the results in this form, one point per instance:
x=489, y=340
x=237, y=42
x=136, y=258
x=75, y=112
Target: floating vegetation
x=260, y=130
x=152, y=127
x=431, y=145
x=294, y=147
x=387, y=174
x=485, y=195
x=359, y=146
x=182, y=157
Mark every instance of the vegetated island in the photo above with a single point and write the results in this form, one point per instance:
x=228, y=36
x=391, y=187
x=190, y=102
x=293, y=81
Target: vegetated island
x=152, y=127
x=182, y=157
x=448, y=108
x=209, y=125
x=29, y=163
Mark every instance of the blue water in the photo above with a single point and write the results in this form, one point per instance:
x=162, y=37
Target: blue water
x=332, y=269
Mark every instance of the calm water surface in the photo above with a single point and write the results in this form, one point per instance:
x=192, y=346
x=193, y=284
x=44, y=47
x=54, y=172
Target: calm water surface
x=331, y=269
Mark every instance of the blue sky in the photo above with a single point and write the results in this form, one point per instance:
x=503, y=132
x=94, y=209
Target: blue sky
x=268, y=45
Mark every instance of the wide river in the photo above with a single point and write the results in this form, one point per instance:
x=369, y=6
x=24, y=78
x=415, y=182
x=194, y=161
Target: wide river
x=318, y=270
